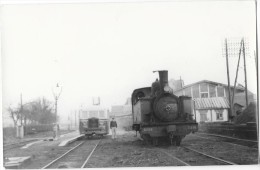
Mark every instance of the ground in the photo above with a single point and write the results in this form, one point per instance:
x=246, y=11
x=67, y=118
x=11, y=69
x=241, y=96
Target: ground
x=129, y=151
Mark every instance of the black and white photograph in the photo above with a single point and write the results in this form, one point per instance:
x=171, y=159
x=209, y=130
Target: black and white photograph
x=129, y=84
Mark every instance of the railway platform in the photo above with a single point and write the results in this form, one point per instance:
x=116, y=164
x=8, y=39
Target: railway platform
x=20, y=153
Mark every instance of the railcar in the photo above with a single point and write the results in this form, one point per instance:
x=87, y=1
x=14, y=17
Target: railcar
x=94, y=121
x=159, y=114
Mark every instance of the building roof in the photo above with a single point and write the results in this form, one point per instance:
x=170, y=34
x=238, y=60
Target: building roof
x=211, y=103
x=209, y=82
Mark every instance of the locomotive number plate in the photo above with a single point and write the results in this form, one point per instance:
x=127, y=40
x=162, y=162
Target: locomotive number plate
x=148, y=129
x=192, y=127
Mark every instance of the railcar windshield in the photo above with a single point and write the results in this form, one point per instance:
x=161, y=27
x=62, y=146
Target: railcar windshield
x=100, y=114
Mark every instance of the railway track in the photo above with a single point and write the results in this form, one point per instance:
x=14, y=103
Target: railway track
x=191, y=157
x=218, y=148
x=186, y=156
x=235, y=141
x=212, y=157
x=76, y=157
x=175, y=158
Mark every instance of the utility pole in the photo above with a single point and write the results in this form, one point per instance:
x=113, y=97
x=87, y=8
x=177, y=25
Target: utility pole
x=229, y=95
x=20, y=129
x=75, y=119
x=56, y=108
x=56, y=95
x=240, y=49
x=21, y=111
x=244, y=55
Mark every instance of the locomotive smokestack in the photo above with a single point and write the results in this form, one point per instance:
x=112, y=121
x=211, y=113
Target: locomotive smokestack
x=163, y=75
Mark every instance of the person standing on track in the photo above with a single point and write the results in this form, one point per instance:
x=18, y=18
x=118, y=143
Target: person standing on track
x=113, y=126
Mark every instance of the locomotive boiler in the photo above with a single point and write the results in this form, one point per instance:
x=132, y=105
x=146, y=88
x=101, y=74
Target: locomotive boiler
x=159, y=114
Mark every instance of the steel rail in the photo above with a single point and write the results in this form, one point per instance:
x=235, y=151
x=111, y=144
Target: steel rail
x=86, y=161
x=222, y=160
x=228, y=137
x=55, y=160
x=227, y=142
x=186, y=164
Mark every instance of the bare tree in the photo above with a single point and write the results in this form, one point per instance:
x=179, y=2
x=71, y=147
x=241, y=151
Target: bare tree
x=42, y=112
x=39, y=111
x=14, y=114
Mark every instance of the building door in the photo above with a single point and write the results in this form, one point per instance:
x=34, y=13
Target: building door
x=203, y=115
x=219, y=114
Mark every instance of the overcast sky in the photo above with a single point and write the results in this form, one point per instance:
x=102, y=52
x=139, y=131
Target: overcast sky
x=109, y=49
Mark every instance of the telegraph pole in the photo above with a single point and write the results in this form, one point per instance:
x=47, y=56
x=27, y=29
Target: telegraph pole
x=244, y=55
x=19, y=128
x=56, y=108
x=240, y=49
x=21, y=111
x=56, y=95
x=75, y=119
x=229, y=95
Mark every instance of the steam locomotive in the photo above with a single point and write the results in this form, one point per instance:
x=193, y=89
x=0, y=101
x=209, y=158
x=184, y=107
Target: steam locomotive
x=159, y=114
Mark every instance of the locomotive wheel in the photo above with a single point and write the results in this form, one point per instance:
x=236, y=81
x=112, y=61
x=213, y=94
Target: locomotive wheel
x=178, y=140
x=146, y=139
x=172, y=139
x=155, y=141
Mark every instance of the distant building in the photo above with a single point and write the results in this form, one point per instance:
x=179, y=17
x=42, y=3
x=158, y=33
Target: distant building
x=121, y=110
x=211, y=102
x=176, y=84
x=122, y=114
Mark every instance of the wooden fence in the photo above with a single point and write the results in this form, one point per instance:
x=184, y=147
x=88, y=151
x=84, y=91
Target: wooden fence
x=31, y=129
x=244, y=131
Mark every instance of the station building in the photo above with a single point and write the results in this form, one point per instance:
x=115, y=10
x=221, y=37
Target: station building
x=211, y=100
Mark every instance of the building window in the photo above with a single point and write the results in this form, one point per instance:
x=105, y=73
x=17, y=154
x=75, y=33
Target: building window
x=204, y=90
x=220, y=91
x=204, y=95
x=203, y=115
x=212, y=90
x=140, y=95
x=195, y=91
x=204, y=87
x=219, y=114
